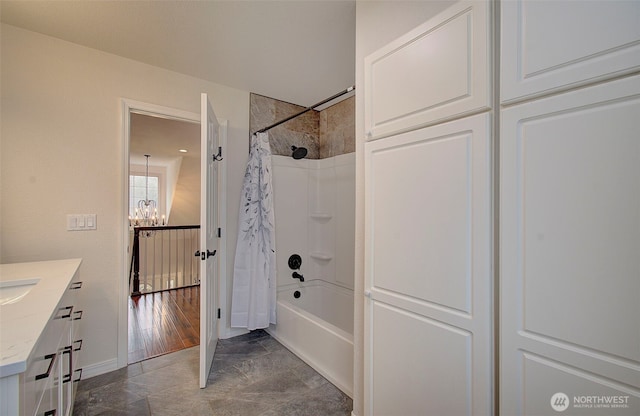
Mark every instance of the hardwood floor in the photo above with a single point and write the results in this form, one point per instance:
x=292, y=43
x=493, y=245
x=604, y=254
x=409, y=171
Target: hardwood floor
x=163, y=322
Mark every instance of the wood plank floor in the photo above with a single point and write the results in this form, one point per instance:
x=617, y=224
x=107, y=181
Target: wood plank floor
x=163, y=322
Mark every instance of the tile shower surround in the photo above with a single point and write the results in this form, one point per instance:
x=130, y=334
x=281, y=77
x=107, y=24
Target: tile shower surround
x=252, y=375
x=326, y=133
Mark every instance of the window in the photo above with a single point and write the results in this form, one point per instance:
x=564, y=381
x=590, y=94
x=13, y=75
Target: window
x=138, y=192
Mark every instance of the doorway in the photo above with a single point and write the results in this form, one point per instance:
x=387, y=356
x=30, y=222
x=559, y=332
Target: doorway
x=160, y=132
x=164, y=170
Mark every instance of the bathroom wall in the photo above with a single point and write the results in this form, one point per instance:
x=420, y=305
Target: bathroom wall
x=314, y=207
x=326, y=133
x=331, y=219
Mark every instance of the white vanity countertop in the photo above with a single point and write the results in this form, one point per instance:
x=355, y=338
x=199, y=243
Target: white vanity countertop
x=21, y=323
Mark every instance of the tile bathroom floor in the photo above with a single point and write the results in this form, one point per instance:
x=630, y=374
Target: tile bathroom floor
x=252, y=375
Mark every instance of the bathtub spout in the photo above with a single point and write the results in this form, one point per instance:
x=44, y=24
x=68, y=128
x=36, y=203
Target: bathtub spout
x=297, y=275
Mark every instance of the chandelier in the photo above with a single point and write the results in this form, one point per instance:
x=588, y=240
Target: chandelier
x=146, y=214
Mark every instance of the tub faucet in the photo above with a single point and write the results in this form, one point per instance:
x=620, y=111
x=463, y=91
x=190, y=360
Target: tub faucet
x=297, y=275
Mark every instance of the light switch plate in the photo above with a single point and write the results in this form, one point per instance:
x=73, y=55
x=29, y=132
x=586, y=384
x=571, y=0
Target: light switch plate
x=72, y=222
x=90, y=221
x=81, y=222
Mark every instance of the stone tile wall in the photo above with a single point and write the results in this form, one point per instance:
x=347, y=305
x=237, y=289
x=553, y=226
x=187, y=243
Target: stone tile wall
x=325, y=133
x=338, y=129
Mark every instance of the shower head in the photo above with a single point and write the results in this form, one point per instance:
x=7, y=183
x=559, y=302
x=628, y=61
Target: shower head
x=298, y=152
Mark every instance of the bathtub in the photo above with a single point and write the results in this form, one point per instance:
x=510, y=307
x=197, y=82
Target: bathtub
x=321, y=336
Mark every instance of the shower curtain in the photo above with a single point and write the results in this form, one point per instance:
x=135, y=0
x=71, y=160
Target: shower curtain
x=253, y=303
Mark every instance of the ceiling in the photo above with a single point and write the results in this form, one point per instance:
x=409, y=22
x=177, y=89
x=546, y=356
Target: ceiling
x=162, y=138
x=297, y=51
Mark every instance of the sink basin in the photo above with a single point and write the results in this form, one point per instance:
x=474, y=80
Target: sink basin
x=13, y=291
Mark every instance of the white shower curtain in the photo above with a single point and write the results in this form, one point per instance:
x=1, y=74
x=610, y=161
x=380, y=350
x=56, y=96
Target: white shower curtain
x=253, y=303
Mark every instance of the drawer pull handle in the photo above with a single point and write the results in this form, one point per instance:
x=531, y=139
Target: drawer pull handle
x=75, y=285
x=79, y=346
x=79, y=313
x=51, y=357
x=52, y=412
x=68, y=309
x=79, y=370
x=67, y=377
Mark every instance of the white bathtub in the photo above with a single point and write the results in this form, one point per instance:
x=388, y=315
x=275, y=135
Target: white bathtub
x=318, y=328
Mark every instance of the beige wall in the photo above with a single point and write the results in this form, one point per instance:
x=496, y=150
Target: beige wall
x=377, y=23
x=185, y=207
x=62, y=152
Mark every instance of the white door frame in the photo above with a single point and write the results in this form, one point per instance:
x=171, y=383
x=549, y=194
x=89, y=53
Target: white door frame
x=137, y=107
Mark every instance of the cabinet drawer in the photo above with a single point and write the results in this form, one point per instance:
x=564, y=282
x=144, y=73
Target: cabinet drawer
x=42, y=367
x=40, y=373
x=49, y=403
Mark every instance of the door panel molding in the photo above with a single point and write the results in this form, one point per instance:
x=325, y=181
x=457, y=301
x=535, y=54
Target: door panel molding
x=408, y=180
x=580, y=46
x=437, y=72
x=569, y=208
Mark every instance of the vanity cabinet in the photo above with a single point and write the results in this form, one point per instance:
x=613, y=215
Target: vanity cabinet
x=51, y=375
x=41, y=380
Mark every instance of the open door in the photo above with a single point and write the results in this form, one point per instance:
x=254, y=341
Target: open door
x=209, y=223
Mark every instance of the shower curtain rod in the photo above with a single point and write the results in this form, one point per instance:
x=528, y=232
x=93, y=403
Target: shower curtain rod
x=307, y=109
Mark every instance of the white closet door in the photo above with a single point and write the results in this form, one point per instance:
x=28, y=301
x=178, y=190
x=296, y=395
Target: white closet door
x=428, y=271
x=555, y=45
x=436, y=72
x=569, y=256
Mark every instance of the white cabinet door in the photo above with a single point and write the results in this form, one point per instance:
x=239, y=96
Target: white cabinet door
x=428, y=233
x=555, y=45
x=437, y=72
x=570, y=242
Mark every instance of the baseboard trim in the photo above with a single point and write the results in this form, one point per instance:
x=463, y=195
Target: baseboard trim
x=99, y=368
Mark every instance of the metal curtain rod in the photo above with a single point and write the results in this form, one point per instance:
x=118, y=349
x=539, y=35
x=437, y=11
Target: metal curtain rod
x=307, y=109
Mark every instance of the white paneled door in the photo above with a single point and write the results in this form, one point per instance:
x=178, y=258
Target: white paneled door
x=436, y=72
x=565, y=295
x=209, y=223
x=549, y=46
x=569, y=256
x=428, y=278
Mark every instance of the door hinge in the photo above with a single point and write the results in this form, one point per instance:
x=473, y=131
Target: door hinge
x=219, y=232
x=218, y=157
x=218, y=313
